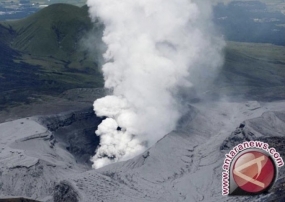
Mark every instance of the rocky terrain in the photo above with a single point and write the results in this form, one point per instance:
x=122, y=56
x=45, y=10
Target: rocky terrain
x=35, y=156
x=186, y=164
x=46, y=158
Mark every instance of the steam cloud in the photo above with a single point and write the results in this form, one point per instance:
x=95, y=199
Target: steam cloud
x=154, y=48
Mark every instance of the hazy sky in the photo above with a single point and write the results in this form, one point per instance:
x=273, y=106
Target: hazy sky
x=47, y=2
x=273, y=4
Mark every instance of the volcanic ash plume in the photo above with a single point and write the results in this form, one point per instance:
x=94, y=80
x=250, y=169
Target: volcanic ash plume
x=154, y=48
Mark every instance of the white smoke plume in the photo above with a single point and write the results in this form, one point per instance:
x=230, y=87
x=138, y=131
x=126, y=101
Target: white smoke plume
x=154, y=48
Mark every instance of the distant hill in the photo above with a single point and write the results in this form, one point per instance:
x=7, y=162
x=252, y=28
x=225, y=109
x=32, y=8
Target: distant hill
x=252, y=71
x=54, y=31
x=45, y=54
x=251, y=21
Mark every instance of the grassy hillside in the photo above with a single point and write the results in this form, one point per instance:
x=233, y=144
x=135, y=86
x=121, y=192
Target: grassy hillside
x=54, y=31
x=43, y=54
x=48, y=2
x=252, y=71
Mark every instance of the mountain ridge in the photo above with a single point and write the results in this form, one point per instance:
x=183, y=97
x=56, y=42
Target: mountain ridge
x=48, y=47
x=54, y=28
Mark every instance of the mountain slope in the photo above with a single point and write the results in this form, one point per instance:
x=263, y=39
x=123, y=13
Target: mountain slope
x=55, y=30
x=252, y=71
x=45, y=54
x=185, y=165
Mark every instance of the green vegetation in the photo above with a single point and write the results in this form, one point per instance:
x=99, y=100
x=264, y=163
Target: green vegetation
x=53, y=31
x=49, y=2
x=73, y=2
x=252, y=71
x=44, y=54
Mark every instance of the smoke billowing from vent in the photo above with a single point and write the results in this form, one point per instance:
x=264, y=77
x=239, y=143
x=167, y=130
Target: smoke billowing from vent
x=154, y=48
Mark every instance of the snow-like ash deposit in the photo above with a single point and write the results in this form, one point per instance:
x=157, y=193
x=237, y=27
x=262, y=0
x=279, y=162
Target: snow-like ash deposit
x=154, y=48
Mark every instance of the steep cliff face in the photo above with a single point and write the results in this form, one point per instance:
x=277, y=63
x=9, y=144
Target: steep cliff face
x=75, y=131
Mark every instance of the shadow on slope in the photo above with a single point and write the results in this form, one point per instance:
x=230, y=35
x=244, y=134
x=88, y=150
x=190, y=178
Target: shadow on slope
x=43, y=55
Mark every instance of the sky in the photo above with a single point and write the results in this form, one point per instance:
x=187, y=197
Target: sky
x=46, y=2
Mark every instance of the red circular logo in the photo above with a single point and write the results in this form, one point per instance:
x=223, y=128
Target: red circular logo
x=254, y=171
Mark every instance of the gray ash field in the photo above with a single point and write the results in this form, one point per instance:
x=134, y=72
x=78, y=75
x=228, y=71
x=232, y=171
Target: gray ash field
x=46, y=157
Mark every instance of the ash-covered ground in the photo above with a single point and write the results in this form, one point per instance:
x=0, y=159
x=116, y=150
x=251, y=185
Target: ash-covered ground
x=46, y=158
